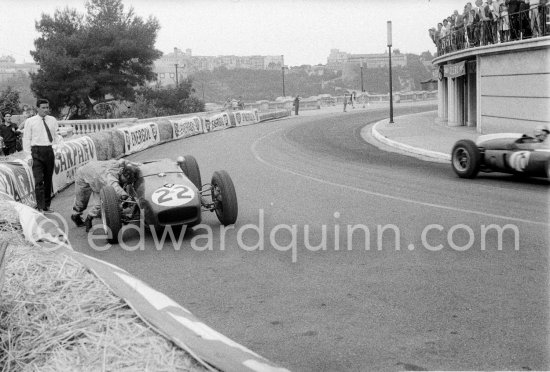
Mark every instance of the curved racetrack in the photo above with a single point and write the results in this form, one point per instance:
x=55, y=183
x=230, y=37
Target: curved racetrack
x=322, y=294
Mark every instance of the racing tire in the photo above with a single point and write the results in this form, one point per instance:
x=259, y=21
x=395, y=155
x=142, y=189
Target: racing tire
x=466, y=159
x=224, y=198
x=110, y=213
x=190, y=168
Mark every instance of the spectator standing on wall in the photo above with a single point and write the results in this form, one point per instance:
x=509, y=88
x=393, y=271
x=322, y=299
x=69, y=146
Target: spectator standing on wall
x=437, y=37
x=459, y=30
x=525, y=27
x=474, y=28
x=444, y=36
x=38, y=137
x=296, y=105
x=534, y=16
x=513, y=9
x=494, y=7
x=9, y=132
x=504, y=24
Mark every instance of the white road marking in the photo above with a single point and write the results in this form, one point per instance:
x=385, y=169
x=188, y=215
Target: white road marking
x=381, y=195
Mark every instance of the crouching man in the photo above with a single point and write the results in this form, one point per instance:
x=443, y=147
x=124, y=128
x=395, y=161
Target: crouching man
x=91, y=178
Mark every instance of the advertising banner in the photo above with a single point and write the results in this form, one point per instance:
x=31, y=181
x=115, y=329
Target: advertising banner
x=186, y=127
x=16, y=180
x=455, y=70
x=216, y=122
x=139, y=137
x=245, y=117
x=71, y=155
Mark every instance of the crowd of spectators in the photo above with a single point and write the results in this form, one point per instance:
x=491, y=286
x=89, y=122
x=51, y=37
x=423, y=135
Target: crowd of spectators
x=491, y=22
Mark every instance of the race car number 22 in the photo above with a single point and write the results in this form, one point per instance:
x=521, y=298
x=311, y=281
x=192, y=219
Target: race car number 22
x=173, y=195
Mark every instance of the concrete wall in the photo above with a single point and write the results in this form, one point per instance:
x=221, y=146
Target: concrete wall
x=513, y=90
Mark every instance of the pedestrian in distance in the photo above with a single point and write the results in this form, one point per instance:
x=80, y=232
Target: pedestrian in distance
x=9, y=133
x=91, y=178
x=39, y=135
x=345, y=101
x=296, y=105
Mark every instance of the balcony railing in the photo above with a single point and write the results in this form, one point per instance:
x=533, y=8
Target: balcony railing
x=515, y=26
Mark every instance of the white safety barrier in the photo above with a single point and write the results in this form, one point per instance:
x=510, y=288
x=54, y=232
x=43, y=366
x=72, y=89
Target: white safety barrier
x=139, y=137
x=16, y=180
x=69, y=156
x=244, y=117
x=186, y=127
x=216, y=122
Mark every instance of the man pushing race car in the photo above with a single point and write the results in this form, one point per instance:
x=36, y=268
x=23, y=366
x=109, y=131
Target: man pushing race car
x=91, y=178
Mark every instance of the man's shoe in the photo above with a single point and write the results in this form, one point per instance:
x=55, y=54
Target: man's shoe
x=77, y=219
x=47, y=210
x=88, y=223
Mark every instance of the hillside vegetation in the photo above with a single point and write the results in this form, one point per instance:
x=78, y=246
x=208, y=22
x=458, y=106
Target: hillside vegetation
x=252, y=85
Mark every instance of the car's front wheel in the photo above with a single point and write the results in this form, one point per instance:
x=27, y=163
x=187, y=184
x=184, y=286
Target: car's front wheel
x=224, y=198
x=110, y=213
x=466, y=159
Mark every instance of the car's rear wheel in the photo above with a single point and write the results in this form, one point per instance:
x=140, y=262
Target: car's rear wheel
x=190, y=168
x=110, y=213
x=466, y=159
x=224, y=198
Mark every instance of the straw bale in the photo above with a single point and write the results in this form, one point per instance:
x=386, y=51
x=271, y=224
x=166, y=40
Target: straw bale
x=101, y=145
x=55, y=315
x=165, y=130
x=104, y=144
x=118, y=143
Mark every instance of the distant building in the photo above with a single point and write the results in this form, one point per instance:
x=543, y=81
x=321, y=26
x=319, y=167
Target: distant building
x=337, y=59
x=165, y=67
x=9, y=69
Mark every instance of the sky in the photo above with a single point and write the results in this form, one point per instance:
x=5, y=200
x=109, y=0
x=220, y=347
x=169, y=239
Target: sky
x=304, y=31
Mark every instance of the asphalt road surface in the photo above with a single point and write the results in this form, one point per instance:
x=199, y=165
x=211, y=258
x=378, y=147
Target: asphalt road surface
x=346, y=257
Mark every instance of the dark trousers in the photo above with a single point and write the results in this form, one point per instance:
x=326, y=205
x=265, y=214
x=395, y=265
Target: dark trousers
x=43, y=162
x=9, y=148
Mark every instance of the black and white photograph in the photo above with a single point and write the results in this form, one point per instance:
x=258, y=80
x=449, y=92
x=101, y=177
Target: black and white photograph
x=274, y=185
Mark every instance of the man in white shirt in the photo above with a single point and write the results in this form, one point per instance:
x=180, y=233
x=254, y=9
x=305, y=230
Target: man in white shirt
x=39, y=135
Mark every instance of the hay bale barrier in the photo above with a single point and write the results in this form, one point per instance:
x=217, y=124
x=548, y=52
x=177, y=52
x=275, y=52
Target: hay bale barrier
x=55, y=315
x=166, y=132
x=103, y=144
x=118, y=143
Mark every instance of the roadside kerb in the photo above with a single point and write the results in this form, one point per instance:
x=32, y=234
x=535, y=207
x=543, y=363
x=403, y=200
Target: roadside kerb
x=407, y=148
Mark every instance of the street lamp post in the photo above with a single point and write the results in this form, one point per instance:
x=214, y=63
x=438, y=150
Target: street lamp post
x=391, y=92
x=362, y=87
x=283, y=72
x=177, y=83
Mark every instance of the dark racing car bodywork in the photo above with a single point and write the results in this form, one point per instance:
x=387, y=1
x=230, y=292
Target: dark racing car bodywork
x=512, y=153
x=169, y=193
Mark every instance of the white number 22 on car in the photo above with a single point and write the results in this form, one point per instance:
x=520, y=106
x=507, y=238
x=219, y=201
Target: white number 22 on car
x=171, y=195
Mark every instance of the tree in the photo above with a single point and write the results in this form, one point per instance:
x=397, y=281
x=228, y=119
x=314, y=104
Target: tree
x=152, y=102
x=89, y=58
x=9, y=101
x=426, y=56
